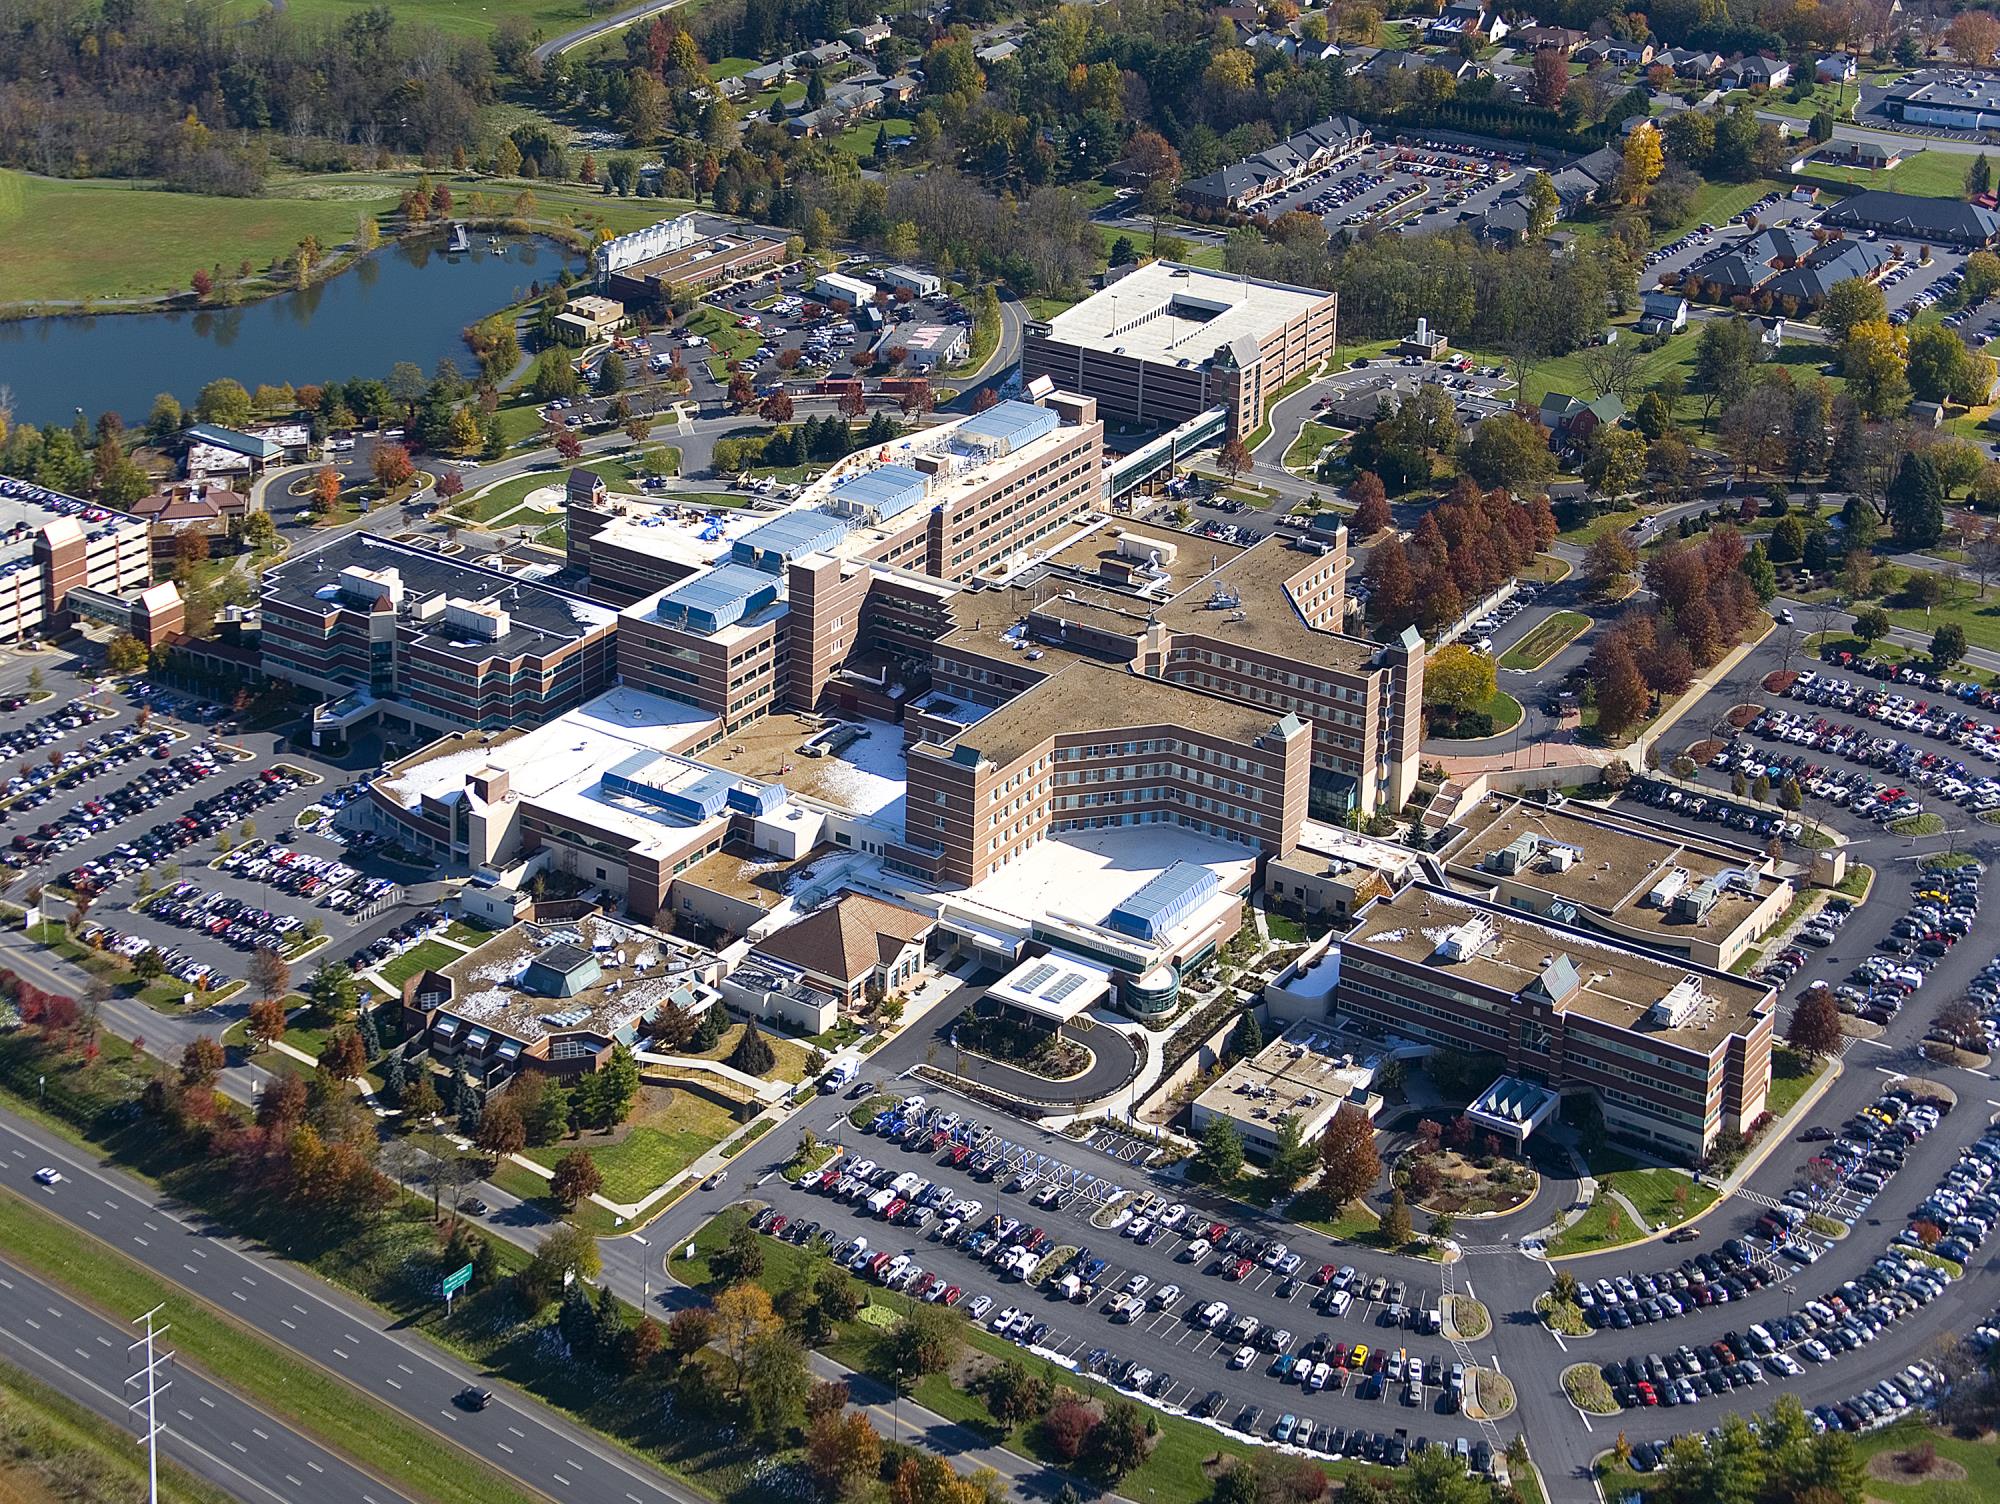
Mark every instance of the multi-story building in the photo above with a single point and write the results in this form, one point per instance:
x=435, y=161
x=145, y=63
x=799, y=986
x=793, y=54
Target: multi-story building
x=61, y=557
x=674, y=259
x=427, y=644
x=1167, y=342
x=1628, y=878
x=1675, y=1053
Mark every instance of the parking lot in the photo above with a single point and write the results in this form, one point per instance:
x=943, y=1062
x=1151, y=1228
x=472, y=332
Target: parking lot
x=1412, y=187
x=1910, y=284
x=1225, y=1322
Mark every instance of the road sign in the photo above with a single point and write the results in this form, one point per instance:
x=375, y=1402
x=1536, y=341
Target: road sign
x=455, y=1281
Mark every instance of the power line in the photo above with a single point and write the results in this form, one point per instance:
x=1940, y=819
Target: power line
x=150, y=1438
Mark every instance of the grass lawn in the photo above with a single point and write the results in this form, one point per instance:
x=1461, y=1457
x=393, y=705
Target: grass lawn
x=1313, y=437
x=298, y=1391
x=68, y=240
x=52, y=1437
x=1549, y=637
x=627, y=467
x=425, y=953
x=858, y=140
x=667, y=1133
x=1569, y=373
x=459, y=17
x=1928, y=174
x=506, y=495
x=1598, y=526
x=1654, y=1192
x=727, y=338
x=791, y=1055
x=1792, y=1075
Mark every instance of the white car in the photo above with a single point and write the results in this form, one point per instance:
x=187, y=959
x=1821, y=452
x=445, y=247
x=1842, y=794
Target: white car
x=48, y=1175
x=1005, y=1319
x=1245, y=1356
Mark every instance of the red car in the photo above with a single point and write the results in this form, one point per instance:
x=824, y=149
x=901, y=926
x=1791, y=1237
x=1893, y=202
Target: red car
x=777, y=1225
x=1326, y=1272
x=1240, y=1269
x=1646, y=1394
x=894, y=1210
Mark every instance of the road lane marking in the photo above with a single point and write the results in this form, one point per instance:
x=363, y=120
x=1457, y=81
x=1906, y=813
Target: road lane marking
x=289, y=1323
x=314, y=1466
x=560, y=1479
x=340, y=1355
x=504, y=1447
x=140, y=1241
x=93, y=1213
x=206, y=1400
x=392, y=1383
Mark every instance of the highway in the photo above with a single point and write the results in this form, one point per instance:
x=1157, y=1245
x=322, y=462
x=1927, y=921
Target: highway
x=210, y=1430
x=527, y=1442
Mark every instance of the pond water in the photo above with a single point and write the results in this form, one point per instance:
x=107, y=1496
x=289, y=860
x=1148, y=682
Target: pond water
x=406, y=301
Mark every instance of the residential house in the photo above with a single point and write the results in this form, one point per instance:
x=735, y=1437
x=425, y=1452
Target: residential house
x=1466, y=18
x=1629, y=54
x=1662, y=313
x=1557, y=39
x=1805, y=286
x=1936, y=221
x=1299, y=156
x=1690, y=62
x=1927, y=414
x=997, y=52
x=1835, y=68
x=1757, y=71
x=871, y=35
x=1571, y=420
x=1580, y=181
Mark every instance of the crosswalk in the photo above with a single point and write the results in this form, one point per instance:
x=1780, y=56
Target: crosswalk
x=1462, y=1350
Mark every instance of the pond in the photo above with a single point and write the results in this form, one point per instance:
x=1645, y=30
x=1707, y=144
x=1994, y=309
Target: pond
x=407, y=301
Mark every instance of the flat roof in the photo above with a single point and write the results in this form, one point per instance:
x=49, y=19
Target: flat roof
x=1620, y=862
x=679, y=532
x=1054, y=986
x=1085, y=696
x=1082, y=875
x=1259, y=580
x=1308, y=1070
x=560, y=766
x=540, y=619
x=487, y=991
x=26, y=508
x=1176, y=314
x=1619, y=985
x=742, y=872
x=711, y=250
x=866, y=777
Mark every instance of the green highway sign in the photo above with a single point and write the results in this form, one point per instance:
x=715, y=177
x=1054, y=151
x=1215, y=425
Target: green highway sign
x=455, y=1281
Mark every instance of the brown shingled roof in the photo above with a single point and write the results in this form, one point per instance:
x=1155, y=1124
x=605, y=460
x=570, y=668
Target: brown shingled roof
x=848, y=939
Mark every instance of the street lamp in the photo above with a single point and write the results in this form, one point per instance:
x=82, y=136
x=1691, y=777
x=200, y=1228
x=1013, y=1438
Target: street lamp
x=896, y=1408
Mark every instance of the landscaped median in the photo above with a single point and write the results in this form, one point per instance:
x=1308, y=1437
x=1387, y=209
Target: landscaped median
x=289, y=1387
x=1548, y=638
x=1587, y=1390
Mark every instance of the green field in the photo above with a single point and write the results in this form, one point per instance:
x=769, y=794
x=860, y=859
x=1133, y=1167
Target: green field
x=650, y=1156
x=424, y=954
x=1929, y=174
x=1313, y=437
x=64, y=241
x=1549, y=638
x=508, y=494
x=1791, y=1077
x=858, y=140
x=459, y=17
x=67, y=241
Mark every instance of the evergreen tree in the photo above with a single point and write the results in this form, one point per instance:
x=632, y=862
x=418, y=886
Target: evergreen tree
x=1248, y=1038
x=577, y=1321
x=471, y=1112
x=708, y=1033
x=371, y=1039
x=1916, y=503
x=395, y=1076
x=1979, y=177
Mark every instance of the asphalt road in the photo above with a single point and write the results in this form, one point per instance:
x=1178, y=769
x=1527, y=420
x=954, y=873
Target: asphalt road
x=205, y=1427
x=514, y=1435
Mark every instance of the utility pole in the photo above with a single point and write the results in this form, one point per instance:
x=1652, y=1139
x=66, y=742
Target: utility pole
x=154, y=1389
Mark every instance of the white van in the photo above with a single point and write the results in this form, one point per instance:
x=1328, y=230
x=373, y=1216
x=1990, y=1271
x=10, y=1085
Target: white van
x=880, y=1201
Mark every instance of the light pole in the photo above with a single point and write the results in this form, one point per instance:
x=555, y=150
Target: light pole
x=895, y=1408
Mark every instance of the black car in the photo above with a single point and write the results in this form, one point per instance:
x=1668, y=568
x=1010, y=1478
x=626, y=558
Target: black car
x=472, y=1206
x=472, y=1397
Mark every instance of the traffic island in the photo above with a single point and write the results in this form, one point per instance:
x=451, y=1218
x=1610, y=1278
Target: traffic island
x=1564, y=1318
x=1587, y=1390
x=1465, y=1319
x=1489, y=1394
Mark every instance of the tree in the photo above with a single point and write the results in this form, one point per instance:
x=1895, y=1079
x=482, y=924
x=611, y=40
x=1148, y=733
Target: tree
x=1871, y=623
x=1348, y=1153
x=841, y=1450
x=1234, y=457
x=343, y=1056
x=1616, y=462
x=776, y=1382
x=501, y=1130
x=1120, y=1441
x=331, y=992
x=1396, y=1221
x=1371, y=504
x=1459, y=679
x=741, y=1258
x=927, y=1340
x=1916, y=503
x=421, y=1103
x=1609, y=562
x=1511, y=452
x=1544, y=199
x=392, y=466
x=753, y=1054
x=1293, y=1158
x=1972, y=36
x=567, y=1250
x=1551, y=80
x=575, y=1177
x=1872, y=358
x=325, y=490
x=1219, y=1160
x=267, y=973
x=224, y=401
x=1815, y=1028
x=1068, y=1426
x=1012, y=1393
x=264, y=1022
x=1853, y=301
x=1246, y=1039
x=743, y=1313
x=1622, y=696
x=1757, y=569
x=202, y=1061
x=1644, y=161
x=1947, y=647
